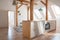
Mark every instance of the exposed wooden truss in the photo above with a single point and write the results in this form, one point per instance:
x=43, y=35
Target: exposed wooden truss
x=46, y=4
x=20, y=6
x=31, y=9
x=17, y=11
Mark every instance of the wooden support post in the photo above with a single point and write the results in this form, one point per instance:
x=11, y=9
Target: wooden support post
x=31, y=9
x=16, y=15
x=46, y=10
x=27, y=30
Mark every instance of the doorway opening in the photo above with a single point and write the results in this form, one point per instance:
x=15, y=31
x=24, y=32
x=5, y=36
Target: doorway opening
x=11, y=18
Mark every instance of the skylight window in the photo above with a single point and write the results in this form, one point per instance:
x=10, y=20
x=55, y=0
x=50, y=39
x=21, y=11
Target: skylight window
x=39, y=15
x=56, y=9
x=49, y=15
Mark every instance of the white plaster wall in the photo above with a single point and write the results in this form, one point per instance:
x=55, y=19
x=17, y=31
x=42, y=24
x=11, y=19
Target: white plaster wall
x=36, y=28
x=7, y=5
x=23, y=16
x=3, y=18
x=52, y=25
x=32, y=30
x=58, y=24
x=57, y=2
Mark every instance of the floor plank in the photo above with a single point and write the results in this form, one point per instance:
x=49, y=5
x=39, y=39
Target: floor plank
x=12, y=34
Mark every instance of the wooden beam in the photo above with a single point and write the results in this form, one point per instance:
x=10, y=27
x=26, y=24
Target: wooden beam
x=46, y=10
x=16, y=15
x=20, y=5
x=21, y=0
x=24, y=1
x=31, y=9
x=46, y=4
x=27, y=2
x=43, y=3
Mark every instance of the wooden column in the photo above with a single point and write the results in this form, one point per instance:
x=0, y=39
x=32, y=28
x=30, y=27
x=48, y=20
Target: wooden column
x=31, y=9
x=26, y=30
x=46, y=10
x=16, y=15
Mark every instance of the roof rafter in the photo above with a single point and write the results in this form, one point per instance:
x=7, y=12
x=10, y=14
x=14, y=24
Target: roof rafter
x=43, y=3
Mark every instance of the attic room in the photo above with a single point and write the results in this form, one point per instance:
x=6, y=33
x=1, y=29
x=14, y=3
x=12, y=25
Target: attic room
x=29, y=20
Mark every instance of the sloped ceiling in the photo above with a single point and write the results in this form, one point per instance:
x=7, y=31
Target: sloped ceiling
x=7, y=4
x=57, y=2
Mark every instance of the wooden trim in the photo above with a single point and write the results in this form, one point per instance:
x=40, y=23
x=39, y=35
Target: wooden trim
x=46, y=10
x=16, y=15
x=31, y=9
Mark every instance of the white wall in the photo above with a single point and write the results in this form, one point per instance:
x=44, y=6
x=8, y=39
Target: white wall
x=58, y=24
x=3, y=18
x=57, y=2
x=7, y=5
x=38, y=27
x=23, y=16
x=52, y=25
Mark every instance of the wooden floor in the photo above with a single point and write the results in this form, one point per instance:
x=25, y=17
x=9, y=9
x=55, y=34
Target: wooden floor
x=11, y=34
